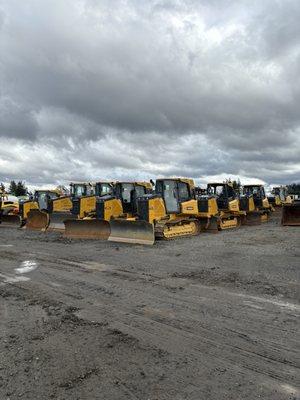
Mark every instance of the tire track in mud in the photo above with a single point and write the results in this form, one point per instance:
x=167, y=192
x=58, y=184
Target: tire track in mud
x=224, y=331
x=216, y=343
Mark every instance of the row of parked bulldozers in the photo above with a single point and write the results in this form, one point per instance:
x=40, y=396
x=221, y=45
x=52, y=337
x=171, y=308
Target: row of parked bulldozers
x=141, y=212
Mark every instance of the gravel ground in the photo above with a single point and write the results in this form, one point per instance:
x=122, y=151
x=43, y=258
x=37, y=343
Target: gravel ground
x=209, y=317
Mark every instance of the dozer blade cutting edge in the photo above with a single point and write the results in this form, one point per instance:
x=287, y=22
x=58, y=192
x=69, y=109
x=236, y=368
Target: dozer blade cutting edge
x=87, y=229
x=11, y=220
x=253, y=218
x=37, y=220
x=139, y=232
x=291, y=214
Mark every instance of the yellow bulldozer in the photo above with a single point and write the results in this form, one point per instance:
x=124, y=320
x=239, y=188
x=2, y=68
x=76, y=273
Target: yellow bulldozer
x=54, y=208
x=254, y=201
x=19, y=214
x=219, y=207
x=167, y=213
x=279, y=197
x=9, y=210
x=176, y=210
x=117, y=200
x=84, y=224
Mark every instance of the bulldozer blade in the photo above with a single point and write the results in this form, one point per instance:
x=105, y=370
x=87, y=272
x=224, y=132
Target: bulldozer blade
x=137, y=232
x=291, y=214
x=11, y=220
x=37, y=220
x=86, y=229
x=57, y=221
x=212, y=225
x=253, y=218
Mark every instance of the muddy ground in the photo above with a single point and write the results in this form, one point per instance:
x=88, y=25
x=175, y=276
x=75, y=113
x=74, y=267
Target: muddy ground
x=210, y=317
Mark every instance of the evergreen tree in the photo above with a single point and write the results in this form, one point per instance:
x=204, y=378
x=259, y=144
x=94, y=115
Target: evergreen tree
x=293, y=188
x=21, y=189
x=12, y=188
x=17, y=189
x=2, y=188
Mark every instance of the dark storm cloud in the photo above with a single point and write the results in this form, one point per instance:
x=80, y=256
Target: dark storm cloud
x=161, y=87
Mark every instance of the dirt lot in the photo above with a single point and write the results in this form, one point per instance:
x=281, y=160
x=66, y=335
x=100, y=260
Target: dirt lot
x=209, y=317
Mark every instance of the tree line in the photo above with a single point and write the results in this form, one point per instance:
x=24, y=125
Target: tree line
x=15, y=188
x=294, y=188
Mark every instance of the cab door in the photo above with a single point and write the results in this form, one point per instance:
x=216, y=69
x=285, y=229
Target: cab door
x=170, y=196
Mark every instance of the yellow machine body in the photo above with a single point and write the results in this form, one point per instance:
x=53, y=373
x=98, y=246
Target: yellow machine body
x=112, y=209
x=256, y=205
x=153, y=219
x=90, y=224
x=62, y=204
x=87, y=205
x=220, y=208
x=157, y=209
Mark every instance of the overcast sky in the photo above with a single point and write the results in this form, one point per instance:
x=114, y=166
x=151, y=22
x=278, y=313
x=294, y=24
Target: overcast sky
x=108, y=89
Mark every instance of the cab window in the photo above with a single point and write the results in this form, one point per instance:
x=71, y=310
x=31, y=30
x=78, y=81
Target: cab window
x=127, y=188
x=183, y=191
x=140, y=190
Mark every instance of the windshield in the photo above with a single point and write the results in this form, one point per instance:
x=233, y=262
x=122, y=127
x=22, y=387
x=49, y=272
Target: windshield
x=127, y=189
x=102, y=189
x=42, y=197
x=216, y=190
x=78, y=190
x=169, y=188
x=140, y=190
x=254, y=190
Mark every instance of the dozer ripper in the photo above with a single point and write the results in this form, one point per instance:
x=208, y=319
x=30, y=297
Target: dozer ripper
x=116, y=201
x=219, y=208
x=168, y=213
x=253, y=200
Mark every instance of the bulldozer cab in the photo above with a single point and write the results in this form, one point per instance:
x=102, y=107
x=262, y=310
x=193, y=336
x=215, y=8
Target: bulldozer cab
x=223, y=192
x=44, y=197
x=81, y=189
x=128, y=193
x=103, y=188
x=280, y=192
x=258, y=193
x=174, y=192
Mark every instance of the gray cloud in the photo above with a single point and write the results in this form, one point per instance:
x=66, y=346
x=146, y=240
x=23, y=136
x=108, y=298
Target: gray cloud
x=197, y=88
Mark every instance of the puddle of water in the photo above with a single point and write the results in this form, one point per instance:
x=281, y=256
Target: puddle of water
x=26, y=266
x=6, y=245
